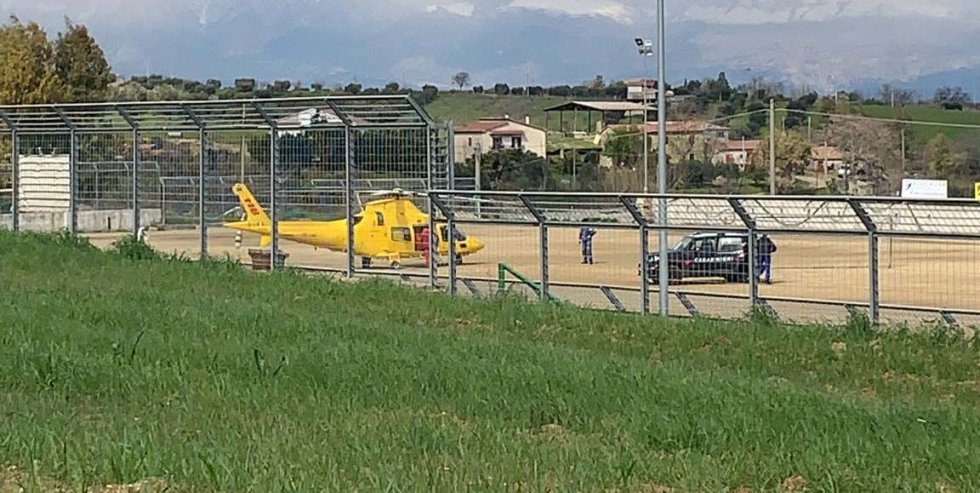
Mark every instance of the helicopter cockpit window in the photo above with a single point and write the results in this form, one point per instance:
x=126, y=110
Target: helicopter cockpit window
x=457, y=234
x=380, y=218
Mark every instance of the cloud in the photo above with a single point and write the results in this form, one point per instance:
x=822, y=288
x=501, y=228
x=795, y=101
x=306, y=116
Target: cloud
x=464, y=9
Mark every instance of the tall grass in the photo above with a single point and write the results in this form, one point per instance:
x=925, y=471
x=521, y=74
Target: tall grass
x=120, y=366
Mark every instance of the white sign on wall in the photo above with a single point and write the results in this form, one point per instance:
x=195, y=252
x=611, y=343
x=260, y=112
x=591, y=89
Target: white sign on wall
x=925, y=189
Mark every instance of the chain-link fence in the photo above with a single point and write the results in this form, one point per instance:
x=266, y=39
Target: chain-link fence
x=103, y=169
x=310, y=168
x=803, y=259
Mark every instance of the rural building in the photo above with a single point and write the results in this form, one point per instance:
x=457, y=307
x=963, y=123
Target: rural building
x=737, y=152
x=686, y=140
x=583, y=118
x=635, y=88
x=826, y=158
x=489, y=134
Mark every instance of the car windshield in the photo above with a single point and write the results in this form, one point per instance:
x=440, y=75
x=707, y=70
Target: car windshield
x=684, y=244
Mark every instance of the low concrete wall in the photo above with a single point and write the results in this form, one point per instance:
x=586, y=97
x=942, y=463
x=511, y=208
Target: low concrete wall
x=88, y=221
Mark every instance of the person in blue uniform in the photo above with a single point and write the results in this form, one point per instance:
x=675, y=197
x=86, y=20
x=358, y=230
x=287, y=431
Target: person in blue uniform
x=763, y=261
x=585, y=235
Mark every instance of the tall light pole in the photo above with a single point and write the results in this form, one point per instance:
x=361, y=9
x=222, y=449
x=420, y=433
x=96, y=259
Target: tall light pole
x=662, y=155
x=645, y=48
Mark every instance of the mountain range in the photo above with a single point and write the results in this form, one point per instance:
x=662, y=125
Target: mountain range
x=823, y=44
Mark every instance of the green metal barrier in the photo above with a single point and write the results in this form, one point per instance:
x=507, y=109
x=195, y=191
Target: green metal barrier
x=504, y=269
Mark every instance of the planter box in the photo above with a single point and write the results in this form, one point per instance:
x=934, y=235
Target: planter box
x=261, y=258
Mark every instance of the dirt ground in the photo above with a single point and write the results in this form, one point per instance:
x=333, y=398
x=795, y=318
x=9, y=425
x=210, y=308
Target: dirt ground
x=920, y=273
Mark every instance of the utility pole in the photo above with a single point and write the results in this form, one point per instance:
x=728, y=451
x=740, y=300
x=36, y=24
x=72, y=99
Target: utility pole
x=903, y=152
x=662, y=159
x=646, y=136
x=772, y=146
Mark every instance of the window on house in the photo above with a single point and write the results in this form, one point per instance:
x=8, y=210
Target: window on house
x=515, y=142
x=469, y=141
x=498, y=143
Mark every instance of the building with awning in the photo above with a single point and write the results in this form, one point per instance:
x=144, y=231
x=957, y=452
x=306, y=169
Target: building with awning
x=593, y=112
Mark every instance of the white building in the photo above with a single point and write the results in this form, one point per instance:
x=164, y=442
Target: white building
x=489, y=134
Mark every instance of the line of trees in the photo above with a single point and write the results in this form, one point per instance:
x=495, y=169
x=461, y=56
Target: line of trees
x=68, y=68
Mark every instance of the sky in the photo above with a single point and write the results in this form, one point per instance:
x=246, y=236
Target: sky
x=823, y=44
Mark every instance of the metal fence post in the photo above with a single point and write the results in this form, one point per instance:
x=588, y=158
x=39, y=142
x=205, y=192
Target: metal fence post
x=750, y=226
x=753, y=279
x=873, y=293
x=430, y=158
x=545, y=285
x=73, y=182
x=136, y=181
x=433, y=263
x=134, y=186
x=644, y=252
x=544, y=290
x=664, y=270
x=349, y=199
x=274, y=197
x=451, y=155
x=451, y=247
x=200, y=193
x=15, y=180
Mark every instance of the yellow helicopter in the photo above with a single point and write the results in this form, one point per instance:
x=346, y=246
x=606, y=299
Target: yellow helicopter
x=389, y=227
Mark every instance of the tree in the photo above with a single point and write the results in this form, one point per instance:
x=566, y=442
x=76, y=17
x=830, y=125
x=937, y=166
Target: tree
x=392, y=88
x=429, y=94
x=29, y=75
x=353, y=88
x=944, y=162
x=792, y=156
x=892, y=95
x=461, y=79
x=950, y=95
x=81, y=64
x=245, y=85
x=514, y=169
x=625, y=147
x=870, y=148
x=598, y=83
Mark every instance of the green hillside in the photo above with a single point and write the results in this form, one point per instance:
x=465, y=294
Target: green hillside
x=933, y=114
x=206, y=377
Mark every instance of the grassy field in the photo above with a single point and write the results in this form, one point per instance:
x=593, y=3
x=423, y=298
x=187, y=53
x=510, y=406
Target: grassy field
x=935, y=114
x=210, y=378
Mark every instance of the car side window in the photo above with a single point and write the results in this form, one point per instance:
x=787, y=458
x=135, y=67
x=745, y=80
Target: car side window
x=705, y=245
x=730, y=245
